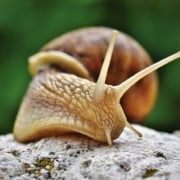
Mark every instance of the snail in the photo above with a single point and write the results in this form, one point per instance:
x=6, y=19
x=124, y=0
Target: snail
x=68, y=94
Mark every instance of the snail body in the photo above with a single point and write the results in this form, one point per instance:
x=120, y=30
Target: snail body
x=58, y=102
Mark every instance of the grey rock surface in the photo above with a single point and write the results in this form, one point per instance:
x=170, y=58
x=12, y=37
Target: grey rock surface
x=154, y=156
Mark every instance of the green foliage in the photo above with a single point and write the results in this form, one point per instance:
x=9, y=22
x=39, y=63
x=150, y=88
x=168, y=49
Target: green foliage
x=27, y=25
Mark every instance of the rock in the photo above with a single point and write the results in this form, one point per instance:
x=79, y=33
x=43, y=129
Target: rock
x=154, y=156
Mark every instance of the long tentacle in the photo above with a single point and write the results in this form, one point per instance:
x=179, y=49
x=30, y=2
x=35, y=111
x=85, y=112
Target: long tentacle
x=124, y=86
x=99, y=88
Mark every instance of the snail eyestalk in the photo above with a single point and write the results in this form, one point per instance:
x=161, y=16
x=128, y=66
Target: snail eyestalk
x=99, y=88
x=124, y=86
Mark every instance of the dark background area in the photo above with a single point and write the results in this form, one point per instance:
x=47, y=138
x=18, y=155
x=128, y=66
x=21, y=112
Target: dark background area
x=25, y=26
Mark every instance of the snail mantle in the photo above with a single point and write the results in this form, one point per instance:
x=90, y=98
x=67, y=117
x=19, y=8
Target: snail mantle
x=155, y=156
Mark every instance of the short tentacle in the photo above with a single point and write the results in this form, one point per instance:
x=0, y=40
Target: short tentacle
x=108, y=136
x=61, y=59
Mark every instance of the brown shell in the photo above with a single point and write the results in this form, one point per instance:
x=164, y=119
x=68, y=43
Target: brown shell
x=89, y=46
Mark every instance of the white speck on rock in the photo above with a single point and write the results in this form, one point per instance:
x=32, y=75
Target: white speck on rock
x=154, y=156
x=44, y=154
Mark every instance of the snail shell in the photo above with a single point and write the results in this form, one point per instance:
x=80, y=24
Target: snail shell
x=59, y=102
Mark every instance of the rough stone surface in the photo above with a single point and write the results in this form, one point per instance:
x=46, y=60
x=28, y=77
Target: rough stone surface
x=154, y=156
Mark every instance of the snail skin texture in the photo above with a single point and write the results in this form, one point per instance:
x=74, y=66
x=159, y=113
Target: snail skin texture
x=58, y=102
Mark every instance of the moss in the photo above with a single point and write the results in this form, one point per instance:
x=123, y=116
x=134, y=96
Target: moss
x=61, y=168
x=43, y=163
x=149, y=173
x=26, y=166
x=29, y=170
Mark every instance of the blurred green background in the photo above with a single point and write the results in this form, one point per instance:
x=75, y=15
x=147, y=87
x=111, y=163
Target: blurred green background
x=25, y=26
